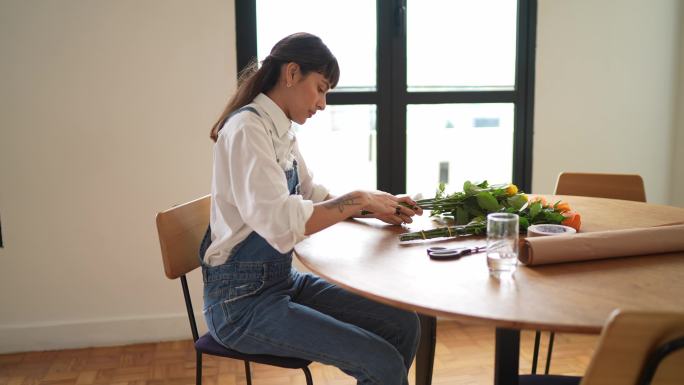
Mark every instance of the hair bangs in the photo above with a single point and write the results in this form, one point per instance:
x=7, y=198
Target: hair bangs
x=332, y=72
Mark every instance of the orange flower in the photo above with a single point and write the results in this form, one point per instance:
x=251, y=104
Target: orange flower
x=539, y=198
x=572, y=219
x=563, y=207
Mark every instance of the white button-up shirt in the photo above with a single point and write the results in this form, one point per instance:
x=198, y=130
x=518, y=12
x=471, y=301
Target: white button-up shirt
x=249, y=191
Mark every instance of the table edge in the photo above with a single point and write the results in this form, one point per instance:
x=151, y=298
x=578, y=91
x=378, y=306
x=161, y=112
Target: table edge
x=499, y=323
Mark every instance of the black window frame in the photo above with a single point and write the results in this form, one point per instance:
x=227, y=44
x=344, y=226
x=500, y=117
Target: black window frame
x=392, y=96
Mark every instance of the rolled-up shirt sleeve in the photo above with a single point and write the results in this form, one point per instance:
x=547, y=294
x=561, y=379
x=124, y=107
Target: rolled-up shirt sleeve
x=259, y=187
x=310, y=190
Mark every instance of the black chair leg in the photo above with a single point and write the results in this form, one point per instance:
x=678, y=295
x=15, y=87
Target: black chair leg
x=248, y=373
x=307, y=373
x=198, y=368
x=548, y=355
x=535, y=356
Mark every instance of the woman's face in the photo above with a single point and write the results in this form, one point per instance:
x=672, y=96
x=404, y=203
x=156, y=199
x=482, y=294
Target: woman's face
x=308, y=96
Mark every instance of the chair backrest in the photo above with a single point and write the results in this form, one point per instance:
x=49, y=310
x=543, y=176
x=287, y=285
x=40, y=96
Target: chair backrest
x=181, y=229
x=617, y=186
x=628, y=341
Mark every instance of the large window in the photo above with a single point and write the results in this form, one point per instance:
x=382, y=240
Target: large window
x=430, y=91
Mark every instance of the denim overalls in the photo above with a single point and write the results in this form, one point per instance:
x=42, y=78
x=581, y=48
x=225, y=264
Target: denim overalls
x=257, y=303
x=253, y=267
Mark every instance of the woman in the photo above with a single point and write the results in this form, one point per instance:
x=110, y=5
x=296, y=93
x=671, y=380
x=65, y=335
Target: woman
x=254, y=302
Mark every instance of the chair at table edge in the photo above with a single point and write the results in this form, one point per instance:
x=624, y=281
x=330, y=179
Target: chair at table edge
x=181, y=229
x=599, y=185
x=631, y=349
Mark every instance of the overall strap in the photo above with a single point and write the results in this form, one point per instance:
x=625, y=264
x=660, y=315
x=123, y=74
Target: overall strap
x=206, y=242
x=245, y=108
x=254, y=110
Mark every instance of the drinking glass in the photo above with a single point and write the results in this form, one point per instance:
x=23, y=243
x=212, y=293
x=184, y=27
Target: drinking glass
x=502, y=243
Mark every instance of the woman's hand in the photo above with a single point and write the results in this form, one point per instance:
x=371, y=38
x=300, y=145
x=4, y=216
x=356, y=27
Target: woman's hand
x=388, y=209
x=378, y=202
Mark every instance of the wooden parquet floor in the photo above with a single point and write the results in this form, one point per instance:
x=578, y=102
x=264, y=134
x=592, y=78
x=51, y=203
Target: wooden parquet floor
x=464, y=355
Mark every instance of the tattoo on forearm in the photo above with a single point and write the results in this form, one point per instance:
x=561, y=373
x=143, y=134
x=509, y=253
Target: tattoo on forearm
x=342, y=202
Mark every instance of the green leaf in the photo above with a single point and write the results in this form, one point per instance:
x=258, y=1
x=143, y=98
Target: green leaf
x=461, y=216
x=517, y=201
x=499, y=191
x=535, y=209
x=524, y=223
x=440, y=190
x=481, y=219
x=487, y=201
x=553, y=217
x=472, y=207
x=457, y=196
x=469, y=188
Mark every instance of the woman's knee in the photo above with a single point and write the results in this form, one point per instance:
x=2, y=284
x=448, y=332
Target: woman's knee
x=410, y=325
x=385, y=366
x=408, y=335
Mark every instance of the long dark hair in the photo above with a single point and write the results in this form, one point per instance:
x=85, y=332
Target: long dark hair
x=305, y=49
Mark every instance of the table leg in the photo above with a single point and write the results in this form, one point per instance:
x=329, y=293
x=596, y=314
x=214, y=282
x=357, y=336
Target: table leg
x=425, y=357
x=506, y=356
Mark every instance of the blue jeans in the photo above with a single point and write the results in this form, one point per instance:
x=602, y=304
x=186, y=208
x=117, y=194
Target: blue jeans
x=256, y=303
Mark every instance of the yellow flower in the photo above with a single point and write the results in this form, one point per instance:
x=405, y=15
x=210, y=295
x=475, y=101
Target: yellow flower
x=525, y=197
x=511, y=190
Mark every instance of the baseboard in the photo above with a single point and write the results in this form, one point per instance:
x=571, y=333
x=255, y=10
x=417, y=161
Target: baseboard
x=98, y=332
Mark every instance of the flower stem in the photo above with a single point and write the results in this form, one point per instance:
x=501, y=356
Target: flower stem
x=475, y=228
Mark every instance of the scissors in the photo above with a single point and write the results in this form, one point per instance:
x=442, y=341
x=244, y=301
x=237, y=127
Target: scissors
x=446, y=253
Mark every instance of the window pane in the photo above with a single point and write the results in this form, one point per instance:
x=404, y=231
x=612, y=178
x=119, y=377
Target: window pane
x=349, y=31
x=338, y=145
x=456, y=44
x=458, y=142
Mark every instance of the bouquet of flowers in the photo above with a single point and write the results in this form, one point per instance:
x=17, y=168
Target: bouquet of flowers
x=469, y=209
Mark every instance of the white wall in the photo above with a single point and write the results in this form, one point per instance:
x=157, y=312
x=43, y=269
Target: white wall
x=605, y=90
x=105, y=108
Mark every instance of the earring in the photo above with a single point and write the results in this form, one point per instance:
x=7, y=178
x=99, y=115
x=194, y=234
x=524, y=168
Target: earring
x=289, y=85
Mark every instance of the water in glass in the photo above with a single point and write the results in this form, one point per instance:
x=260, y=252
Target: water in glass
x=502, y=243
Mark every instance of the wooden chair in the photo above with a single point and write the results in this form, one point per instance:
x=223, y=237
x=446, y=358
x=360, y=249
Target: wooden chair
x=617, y=186
x=635, y=348
x=181, y=229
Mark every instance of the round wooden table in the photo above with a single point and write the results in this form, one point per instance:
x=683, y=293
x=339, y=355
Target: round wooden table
x=366, y=257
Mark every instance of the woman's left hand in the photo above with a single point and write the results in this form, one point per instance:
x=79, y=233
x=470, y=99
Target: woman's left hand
x=402, y=214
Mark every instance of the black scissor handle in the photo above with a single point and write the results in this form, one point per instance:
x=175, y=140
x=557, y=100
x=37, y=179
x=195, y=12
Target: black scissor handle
x=440, y=249
x=443, y=253
x=447, y=254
